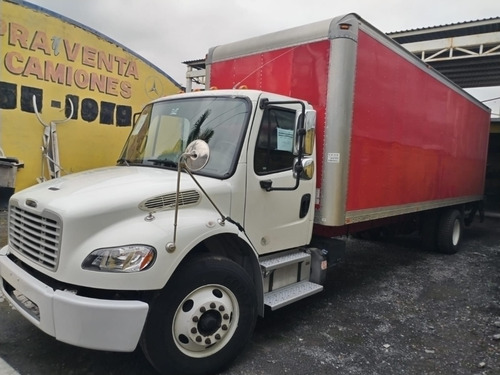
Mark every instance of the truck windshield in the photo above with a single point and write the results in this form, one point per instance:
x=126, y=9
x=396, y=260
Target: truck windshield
x=165, y=128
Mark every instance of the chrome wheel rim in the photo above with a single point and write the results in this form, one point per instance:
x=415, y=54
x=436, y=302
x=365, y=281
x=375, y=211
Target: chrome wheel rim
x=205, y=321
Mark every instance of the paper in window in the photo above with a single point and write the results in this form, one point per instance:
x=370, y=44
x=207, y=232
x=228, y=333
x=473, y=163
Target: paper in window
x=285, y=139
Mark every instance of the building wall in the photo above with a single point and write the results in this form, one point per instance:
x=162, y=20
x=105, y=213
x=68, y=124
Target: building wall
x=55, y=59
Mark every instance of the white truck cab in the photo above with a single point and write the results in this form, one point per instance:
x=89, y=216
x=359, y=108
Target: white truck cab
x=179, y=246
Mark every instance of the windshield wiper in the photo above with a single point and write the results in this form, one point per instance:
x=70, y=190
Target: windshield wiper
x=164, y=162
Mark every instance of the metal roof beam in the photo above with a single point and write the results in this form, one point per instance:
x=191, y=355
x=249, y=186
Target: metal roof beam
x=462, y=47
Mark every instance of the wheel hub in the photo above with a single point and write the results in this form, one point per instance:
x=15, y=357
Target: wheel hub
x=209, y=323
x=204, y=320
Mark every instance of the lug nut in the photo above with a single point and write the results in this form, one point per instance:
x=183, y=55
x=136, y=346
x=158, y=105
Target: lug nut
x=198, y=338
x=203, y=309
x=208, y=342
x=213, y=305
x=217, y=336
x=224, y=327
x=194, y=330
x=221, y=308
x=195, y=319
x=225, y=316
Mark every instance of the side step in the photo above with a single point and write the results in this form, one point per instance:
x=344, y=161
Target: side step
x=284, y=260
x=290, y=293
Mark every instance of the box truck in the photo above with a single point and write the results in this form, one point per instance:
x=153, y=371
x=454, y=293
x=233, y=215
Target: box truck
x=229, y=202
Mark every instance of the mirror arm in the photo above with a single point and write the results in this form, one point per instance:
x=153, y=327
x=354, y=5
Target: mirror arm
x=301, y=132
x=267, y=185
x=171, y=246
x=191, y=152
x=264, y=102
x=223, y=218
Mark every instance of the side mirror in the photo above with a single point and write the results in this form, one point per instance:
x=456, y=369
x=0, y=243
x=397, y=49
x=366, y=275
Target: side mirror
x=196, y=155
x=310, y=128
x=305, y=132
x=304, y=170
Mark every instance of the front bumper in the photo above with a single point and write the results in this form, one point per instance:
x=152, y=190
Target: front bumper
x=91, y=323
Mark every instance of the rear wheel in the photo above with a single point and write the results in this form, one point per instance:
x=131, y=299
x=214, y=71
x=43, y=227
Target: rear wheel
x=449, y=231
x=202, y=319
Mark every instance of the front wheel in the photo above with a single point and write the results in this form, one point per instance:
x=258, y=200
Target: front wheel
x=202, y=319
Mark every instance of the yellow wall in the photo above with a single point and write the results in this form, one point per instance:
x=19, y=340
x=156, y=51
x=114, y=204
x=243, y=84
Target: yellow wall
x=54, y=58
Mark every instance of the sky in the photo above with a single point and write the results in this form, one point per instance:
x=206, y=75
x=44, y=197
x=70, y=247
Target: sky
x=168, y=32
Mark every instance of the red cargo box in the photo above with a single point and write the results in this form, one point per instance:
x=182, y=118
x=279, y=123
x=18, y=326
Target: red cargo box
x=393, y=135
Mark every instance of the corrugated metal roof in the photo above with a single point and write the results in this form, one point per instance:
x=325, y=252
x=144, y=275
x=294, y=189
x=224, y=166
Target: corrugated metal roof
x=483, y=26
x=195, y=64
x=469, y=65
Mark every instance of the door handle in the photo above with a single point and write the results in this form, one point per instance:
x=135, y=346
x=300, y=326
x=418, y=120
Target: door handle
x=305, y=203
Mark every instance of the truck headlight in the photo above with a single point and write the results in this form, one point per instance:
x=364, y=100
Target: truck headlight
x=129, y=258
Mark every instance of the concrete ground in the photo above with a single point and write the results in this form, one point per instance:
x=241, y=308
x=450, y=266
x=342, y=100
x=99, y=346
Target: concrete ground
x=388, y=308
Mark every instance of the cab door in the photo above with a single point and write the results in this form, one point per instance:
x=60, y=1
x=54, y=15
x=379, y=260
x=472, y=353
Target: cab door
x=279, y=219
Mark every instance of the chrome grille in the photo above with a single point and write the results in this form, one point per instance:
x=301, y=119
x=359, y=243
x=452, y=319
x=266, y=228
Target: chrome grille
x=36, y=237
x=167, y=201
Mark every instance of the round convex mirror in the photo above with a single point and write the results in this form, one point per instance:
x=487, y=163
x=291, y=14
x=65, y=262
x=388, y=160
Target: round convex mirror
x=196, y=155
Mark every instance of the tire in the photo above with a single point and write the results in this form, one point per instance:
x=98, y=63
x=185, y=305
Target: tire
x=449, y=231
x=202, y=319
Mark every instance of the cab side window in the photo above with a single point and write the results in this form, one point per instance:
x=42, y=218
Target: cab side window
x=274, y=146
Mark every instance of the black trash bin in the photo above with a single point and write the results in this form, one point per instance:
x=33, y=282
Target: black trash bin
x=8, y=172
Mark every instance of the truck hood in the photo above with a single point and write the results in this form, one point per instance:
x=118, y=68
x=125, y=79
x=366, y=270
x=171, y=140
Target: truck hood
x=102, y=190
x=105, y=208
